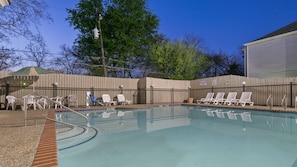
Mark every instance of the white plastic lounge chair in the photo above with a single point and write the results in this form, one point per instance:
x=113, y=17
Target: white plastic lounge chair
x=246, y=116
x=122, y=100
x=219, y=98
x=94, y=100
x=11, y=101
x=107, y=100
x=207, y=99
x=245, y=98
x=230, y=98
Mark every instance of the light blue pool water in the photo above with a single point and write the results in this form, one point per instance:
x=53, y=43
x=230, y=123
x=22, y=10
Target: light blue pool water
x=181, y=136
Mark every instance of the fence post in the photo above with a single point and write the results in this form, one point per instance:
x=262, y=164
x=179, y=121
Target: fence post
x=55, y=89
x=172, y=95
x=92, y=91
x=243, y=86
x=121, y=88
x=189, y=91
x=7, y=88
x=6, y=93
x=152, y=95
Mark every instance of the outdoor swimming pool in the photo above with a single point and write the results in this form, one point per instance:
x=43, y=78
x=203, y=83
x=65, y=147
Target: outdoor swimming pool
x=180, y=136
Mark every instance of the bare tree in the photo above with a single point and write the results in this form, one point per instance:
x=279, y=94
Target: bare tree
x=22, y=18
x=194, y=41
x=37, y=51
x=68, y=62
x=8, y=59
x=19, y=20
x=223, y=64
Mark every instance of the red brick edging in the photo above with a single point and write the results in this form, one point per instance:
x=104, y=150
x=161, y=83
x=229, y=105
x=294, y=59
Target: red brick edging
x=46, y=154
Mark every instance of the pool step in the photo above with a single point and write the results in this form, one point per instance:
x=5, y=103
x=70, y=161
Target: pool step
x=69, y=132
x=76, y=137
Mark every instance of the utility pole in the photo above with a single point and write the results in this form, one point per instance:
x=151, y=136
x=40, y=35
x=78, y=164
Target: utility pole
x=98, y=33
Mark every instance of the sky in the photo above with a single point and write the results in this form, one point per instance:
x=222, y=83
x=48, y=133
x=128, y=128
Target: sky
x=224, y=25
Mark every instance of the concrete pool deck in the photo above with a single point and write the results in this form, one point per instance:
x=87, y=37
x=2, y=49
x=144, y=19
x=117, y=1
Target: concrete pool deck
x=35, y=144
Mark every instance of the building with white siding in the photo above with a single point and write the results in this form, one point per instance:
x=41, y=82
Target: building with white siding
x=273, y=55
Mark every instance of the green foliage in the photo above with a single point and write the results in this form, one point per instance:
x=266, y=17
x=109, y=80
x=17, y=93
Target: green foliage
x=128, y=29
x=177, y=60
x=84, y=19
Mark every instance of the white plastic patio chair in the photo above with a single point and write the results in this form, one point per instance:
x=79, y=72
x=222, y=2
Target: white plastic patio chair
x=72, y=99
x=43, y=102
x=30, y=101
x=58, y=101
x=11, y=101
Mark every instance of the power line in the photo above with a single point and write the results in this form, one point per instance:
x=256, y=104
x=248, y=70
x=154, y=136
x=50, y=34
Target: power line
x=28, y=51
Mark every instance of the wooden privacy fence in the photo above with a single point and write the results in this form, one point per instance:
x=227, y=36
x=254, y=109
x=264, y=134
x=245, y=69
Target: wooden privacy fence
x=130, y=94
x=151, y=90
x=158, y=95
x=137, y=96
x=260, y=93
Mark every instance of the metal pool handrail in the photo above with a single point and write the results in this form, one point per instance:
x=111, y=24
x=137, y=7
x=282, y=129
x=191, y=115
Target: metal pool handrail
x=283, y=100
x=268, y=99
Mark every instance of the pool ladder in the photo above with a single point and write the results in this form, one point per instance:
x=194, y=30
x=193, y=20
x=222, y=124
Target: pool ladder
x=269, y=101
x=284, y=101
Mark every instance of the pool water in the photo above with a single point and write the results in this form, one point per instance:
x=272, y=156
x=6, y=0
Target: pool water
x=181, y=136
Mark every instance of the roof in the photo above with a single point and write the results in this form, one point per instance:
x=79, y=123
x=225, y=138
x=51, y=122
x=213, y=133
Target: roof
x=288, y=28
x=27, y=71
